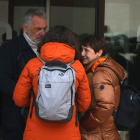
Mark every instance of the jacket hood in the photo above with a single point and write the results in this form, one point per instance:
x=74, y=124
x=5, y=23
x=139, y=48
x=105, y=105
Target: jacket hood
x=57, y=51
x=109, y=63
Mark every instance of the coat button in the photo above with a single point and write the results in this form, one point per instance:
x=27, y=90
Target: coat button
x=102, y=87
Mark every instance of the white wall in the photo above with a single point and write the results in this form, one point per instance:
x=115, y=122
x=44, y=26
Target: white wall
x=122, y=16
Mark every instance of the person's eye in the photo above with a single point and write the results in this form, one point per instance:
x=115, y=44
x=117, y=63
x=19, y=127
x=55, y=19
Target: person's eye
x=38, y=29
x=45, y=28
x=86, y=50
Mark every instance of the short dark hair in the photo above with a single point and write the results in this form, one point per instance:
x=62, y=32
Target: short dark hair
x=60, y=34
x=96, y=43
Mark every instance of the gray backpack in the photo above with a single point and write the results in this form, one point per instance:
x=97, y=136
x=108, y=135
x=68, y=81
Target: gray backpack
x=56, y=92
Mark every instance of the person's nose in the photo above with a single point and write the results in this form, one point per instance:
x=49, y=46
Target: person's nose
x=42, y=32
x=82, y=53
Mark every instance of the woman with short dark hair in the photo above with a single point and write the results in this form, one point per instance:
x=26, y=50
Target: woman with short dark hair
x=104, y=74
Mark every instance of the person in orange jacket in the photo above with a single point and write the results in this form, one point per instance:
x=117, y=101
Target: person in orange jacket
x=104, y=74
x=58, y=44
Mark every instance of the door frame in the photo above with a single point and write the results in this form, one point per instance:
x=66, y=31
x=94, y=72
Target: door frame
x=99, y=17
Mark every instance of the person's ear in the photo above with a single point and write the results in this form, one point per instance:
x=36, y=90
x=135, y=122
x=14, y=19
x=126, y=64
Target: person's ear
x=25, y=28
x=99, y=53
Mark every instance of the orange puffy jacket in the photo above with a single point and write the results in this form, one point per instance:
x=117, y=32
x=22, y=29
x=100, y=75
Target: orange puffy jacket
x=37, y=129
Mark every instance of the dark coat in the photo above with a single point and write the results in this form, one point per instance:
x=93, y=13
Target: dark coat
x=14, y=54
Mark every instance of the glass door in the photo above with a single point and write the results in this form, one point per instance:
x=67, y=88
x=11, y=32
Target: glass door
x=4, y=20
x=122, y=33
x=13, y=11
x=78, y=15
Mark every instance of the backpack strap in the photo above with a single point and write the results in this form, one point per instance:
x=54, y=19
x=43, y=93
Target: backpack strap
x=41, y=60
x=70, y=63
x=52, y=63
x=76, y=123
x=34, y=101
x=76, y=114
x=124, y=82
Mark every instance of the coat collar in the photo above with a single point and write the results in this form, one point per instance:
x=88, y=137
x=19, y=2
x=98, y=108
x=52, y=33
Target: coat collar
x=24, y=43
x=30, y=42
x=107, y=62
x=94, y=64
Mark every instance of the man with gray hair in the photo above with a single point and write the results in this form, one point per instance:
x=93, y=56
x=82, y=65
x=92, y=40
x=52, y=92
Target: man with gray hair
x=14, y=55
